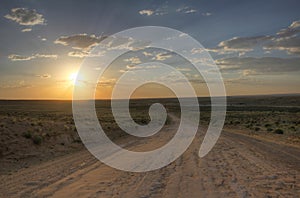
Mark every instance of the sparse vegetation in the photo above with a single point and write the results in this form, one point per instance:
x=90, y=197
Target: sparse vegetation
x=36, y=139
x=278, y=131
x=51, y=124
x=27, y=134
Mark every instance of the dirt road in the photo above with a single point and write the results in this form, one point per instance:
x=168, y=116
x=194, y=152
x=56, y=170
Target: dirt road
x=238, y=166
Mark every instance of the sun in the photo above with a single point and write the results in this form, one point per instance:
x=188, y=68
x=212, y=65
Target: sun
x=72, y=77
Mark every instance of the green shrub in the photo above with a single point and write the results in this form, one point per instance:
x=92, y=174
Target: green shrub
x=278, y=131
x=27, y=135
x=267, y=125
x=168, y=120
x=37, y=139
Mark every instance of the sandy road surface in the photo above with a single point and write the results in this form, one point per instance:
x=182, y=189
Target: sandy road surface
x=238, y=166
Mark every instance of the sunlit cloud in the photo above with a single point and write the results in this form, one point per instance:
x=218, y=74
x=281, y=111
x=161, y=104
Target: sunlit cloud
x=43, y=75
x=163, y=10
x=146, y=12
x=239, y=44
x=16, y=57
x=133, y=60
x=80, y=41
x=259, y=66
x=287, y=39
x=24, y=16
x=83, y=54
x=26, y=30
x=15, y=85
x=206, y=14
x=162, y=56
x=186, y=10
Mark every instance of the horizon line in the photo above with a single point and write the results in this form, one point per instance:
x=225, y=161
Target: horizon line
x=142, y=98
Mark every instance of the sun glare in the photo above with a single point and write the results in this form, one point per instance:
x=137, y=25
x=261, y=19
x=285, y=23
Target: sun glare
x=72, y=77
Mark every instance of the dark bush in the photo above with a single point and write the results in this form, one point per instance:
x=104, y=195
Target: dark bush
x=257, y=129
x=278, y=131
x=267, y=125
x=37, y=139
x=27, y=135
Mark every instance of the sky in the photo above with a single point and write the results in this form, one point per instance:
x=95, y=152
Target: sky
x=43, y=43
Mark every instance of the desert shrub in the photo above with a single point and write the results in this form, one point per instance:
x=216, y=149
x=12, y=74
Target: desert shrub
x=267, y=125
x=27, y=134
x=37, y=139
x=78, y=140
x=237, y=122
x=257, y=129
x=168, y=120
x=293, y=128
x=278, y=131
x=269, y=129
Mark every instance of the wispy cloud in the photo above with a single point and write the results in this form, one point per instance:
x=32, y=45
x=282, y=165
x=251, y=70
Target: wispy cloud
x=83, y=54
x=80, y=41
x=26, y=30
x=15, y=85
x=186, y=10
x=133, y=60
x=16, y=57
x=287, y=40
x=43, y=76
x=239, y=44
x=259, y=66
x=146, y=12
x=157, y=12
x=26, y=17
x=206, y=14
x=162, y=56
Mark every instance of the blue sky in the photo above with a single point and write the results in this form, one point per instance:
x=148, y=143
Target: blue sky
x=31, y=60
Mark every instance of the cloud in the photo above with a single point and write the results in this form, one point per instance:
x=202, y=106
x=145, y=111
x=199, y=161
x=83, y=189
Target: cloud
x=133, y=60
x=239, y=44
x=259, y=66
x=26, y=17
x=186, y=10
x=106, y=82
x=45, y=56
x=80, y=41
x=43, y=75
x=206, y=14
x=26, y=30
x=197, y=50
x=287, y=39
x=293, y=29
x=131, y=68
x=15, y=85
x=157, y=12
x=83, y=44
x=162, y=56
x=147, y=54
x=15, y=57
x=83, y=54
x=146, y=12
